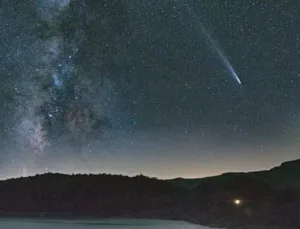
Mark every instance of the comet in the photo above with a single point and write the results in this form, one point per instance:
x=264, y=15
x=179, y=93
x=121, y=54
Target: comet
x=223, y=58
x=227, y=64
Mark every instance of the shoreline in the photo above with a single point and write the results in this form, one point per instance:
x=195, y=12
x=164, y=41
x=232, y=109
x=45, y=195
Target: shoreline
x=73, y=217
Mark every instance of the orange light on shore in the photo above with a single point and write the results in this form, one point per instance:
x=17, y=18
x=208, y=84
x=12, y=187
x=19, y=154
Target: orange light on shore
x=237, y=201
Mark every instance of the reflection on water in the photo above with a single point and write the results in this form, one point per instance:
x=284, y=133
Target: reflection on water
x=103, y=224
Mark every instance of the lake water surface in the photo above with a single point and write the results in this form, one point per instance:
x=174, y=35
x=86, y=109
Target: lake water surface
x=91, y=224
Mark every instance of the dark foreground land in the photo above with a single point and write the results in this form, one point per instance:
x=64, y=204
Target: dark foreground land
x=269, y=199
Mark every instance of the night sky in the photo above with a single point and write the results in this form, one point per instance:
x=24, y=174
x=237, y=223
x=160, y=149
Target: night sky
x=172, y=88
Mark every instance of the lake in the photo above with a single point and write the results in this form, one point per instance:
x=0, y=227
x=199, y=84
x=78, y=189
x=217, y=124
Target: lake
x=90, y=224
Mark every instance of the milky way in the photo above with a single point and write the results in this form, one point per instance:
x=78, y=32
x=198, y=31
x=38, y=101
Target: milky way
x=59, y=105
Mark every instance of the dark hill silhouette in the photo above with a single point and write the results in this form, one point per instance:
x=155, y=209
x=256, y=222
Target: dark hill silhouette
x=100, y=195
x=266, y=199
x=284, y=176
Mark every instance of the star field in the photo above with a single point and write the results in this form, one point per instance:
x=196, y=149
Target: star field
x=148, y=87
